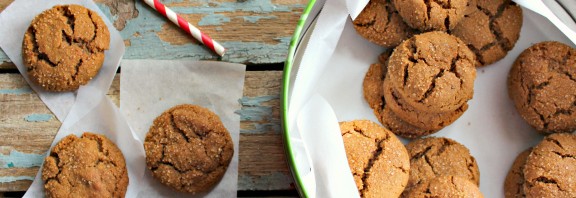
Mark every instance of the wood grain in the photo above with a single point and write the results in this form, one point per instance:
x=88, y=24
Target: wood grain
x=27, y=129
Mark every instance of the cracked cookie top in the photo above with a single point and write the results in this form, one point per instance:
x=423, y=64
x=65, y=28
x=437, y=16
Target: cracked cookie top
x=491, y=29
x=89, y=166
x=433, y=157
x=550, y=168
x=188, y=148
x=429, y=15
x=514, y=183
x=433, y=72
x=63, y=47
x=446, y=186
x=380, y=23
x=378, y=160
x=542, y=84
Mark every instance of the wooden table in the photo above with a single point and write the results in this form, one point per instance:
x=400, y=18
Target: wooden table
x=255, y=32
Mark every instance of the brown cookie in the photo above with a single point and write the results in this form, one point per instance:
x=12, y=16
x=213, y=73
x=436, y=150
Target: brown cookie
x=429, y=15
x=188, y=148
x=542, y=84
x=378, y=160
x=446, y=186
x=550, y=168
x=373, y=93
x=433, y=157
x=89, y=166
x=380, y=23
x=63, y=47
x=514, y=183
x=420, y=119
x=491, y=29
x=433, y=72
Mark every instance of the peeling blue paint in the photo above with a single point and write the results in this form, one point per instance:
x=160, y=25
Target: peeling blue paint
x=13, y=179
x=20, y=160
x=258, y=116
x=38, y=117
x=256, y=101
x=18, y=91
x=273, y=181
x=254, y=19
x=213, y=19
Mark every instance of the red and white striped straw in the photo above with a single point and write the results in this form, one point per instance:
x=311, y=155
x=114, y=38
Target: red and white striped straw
x=184, y=25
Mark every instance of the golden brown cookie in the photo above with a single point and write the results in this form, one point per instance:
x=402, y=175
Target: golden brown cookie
x=433, y=157
x=491, y=29
x=63, y=47
x=188, y=148
x=378, y=160
x=514, y=183
x=433, y=72
x=380, y=23
x=542, y=84
x=429, y=15
x=89, y=166
x=550, y=168
x=446, y=186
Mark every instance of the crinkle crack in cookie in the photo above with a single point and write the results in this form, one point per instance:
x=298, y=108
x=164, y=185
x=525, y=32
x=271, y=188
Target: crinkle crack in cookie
x=378, y=160
x=380, y=23
x=429, y=15
x=433, y=157
x=491, y=29
x=514, y=183
x=433, y=72
x=542, y=84
x=446, y=186
x=188, y=148
x=63, y=47
x=89, y=166
x=550, y=168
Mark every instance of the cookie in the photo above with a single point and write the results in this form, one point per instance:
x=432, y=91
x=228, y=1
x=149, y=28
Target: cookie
x=378, y=160
x=542, y=84
x=433, y=72
x=188, y=148
x=514, y=182
x=86, y=166
x=380, y=23
x=491, y=29
x=550, y=168
x=63, y=47
x=433, y=157
x=446, y=186
x=429, y=15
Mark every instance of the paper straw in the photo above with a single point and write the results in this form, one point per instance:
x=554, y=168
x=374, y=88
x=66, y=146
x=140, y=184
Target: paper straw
x=184, y=25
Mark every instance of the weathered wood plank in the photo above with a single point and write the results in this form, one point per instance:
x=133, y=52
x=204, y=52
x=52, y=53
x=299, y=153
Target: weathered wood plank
x=27, y=128
x=253, y=31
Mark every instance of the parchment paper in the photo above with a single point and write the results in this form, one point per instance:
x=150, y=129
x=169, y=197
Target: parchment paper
x=150, y=87
x=14, y=22
x=336, y=60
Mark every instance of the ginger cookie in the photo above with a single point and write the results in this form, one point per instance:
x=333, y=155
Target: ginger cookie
x=380, y=23
x=429, y=15
x=63, y=47
x=89, y=166
x=491, y=29
x=514, y=183
x=188, y=148
x=542, y=84
x=550, y=168
x=433, y=72
x=378, y=160
x=446, y=186
x=433, y=157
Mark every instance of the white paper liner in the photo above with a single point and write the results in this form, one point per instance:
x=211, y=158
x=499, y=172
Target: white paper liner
x=14, y=22
x=150, y=87
x=336, y=60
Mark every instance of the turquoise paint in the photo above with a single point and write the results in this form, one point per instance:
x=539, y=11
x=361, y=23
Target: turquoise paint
x=213, y=19
x=258, y=116
x=13, y=179
x=256, y=101
x=272, y=181
x=19, y=91
x=254, y=19
x=20, y=160
x=38, y=117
